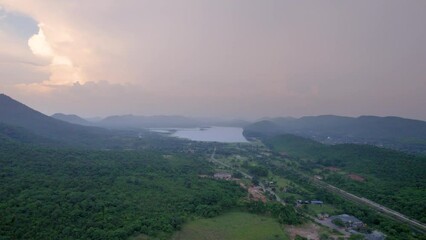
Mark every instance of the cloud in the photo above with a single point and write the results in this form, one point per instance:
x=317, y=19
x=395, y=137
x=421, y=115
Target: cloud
x=39, y=46
x=61, y=69
x=17, y=63
x=2, y=14
x=242, y=57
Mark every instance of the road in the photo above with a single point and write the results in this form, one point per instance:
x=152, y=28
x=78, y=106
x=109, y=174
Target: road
x=277, y=198
x=327, y=223
x=380, y=208
x=349, y=196
x=265, y=189
x=228, y=166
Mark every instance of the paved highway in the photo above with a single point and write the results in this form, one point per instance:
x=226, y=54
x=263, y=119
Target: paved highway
x=380, y=208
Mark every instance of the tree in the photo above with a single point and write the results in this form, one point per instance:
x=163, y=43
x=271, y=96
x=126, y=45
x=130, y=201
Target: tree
x=298, y=237
x=338, y=222
x=237, y=174
x=356, y=237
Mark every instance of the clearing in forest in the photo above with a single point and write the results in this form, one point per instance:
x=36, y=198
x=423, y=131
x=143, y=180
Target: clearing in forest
x=233, y=226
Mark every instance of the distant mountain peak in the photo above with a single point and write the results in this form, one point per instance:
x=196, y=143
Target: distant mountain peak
x=4, y=97
x=71, y=118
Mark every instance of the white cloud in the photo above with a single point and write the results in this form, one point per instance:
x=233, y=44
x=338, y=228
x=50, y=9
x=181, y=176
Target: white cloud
x=17, y=63
x=62, y=69
x=39, y=46
x=235, y=57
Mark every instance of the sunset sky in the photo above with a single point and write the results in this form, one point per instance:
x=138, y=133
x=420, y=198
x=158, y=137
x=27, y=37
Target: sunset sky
x=215, y=58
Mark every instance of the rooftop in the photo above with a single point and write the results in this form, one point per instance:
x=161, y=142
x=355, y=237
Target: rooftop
x=348, y=218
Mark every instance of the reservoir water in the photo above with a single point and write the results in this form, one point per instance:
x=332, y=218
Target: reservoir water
x=210, y=134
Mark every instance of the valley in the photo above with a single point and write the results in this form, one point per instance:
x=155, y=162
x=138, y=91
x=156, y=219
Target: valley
x=144, y=184
x=212, y=120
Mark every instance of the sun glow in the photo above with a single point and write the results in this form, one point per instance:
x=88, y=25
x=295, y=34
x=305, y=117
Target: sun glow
x=62, y=69
x=39, y=46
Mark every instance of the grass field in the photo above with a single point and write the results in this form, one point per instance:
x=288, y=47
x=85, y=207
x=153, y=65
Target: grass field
x=281, y=182
x=324, y=208
x=233, y=226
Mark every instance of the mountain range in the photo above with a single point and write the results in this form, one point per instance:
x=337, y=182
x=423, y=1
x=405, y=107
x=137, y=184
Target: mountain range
x=72, y=118
x=393, y=132
x=20, y=122
x=137, y=122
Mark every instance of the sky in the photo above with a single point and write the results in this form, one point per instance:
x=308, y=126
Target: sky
x=215, y=58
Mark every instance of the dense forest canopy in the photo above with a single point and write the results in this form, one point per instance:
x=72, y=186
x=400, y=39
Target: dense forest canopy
x=78, y=194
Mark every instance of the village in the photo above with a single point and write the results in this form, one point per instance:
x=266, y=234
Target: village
x=341, y=226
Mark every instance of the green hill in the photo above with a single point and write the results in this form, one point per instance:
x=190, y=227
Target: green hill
x=16, y=114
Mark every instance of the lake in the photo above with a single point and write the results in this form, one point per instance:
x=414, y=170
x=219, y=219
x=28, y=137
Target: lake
x=210, y=134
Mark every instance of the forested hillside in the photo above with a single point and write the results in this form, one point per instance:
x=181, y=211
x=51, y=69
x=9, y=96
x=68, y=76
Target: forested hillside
x=78, y=194
x=392, y=178
x=22, y=135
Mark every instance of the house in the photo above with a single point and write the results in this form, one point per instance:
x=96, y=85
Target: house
x=223, y=176
x=323, y=216
x=349, y=221
x=310, y=202
x=270, y=184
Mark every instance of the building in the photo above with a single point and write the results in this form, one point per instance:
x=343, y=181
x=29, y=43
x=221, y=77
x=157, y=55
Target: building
x=223, y=176
x=310, y=202
x=323, y=216
x=349, y=221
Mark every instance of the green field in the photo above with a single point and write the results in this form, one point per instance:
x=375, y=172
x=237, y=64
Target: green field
x=232, y=226
x=324, y=208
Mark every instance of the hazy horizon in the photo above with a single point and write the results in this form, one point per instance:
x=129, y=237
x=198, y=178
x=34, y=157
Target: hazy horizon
x=215, y=59
x=98, y=118
x=227, y=118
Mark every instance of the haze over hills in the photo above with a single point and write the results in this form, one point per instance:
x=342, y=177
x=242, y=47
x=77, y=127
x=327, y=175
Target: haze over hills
x=161, y=121
x=394, y=132
x=133, y=121
x=72, y=118
x=23, y=124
